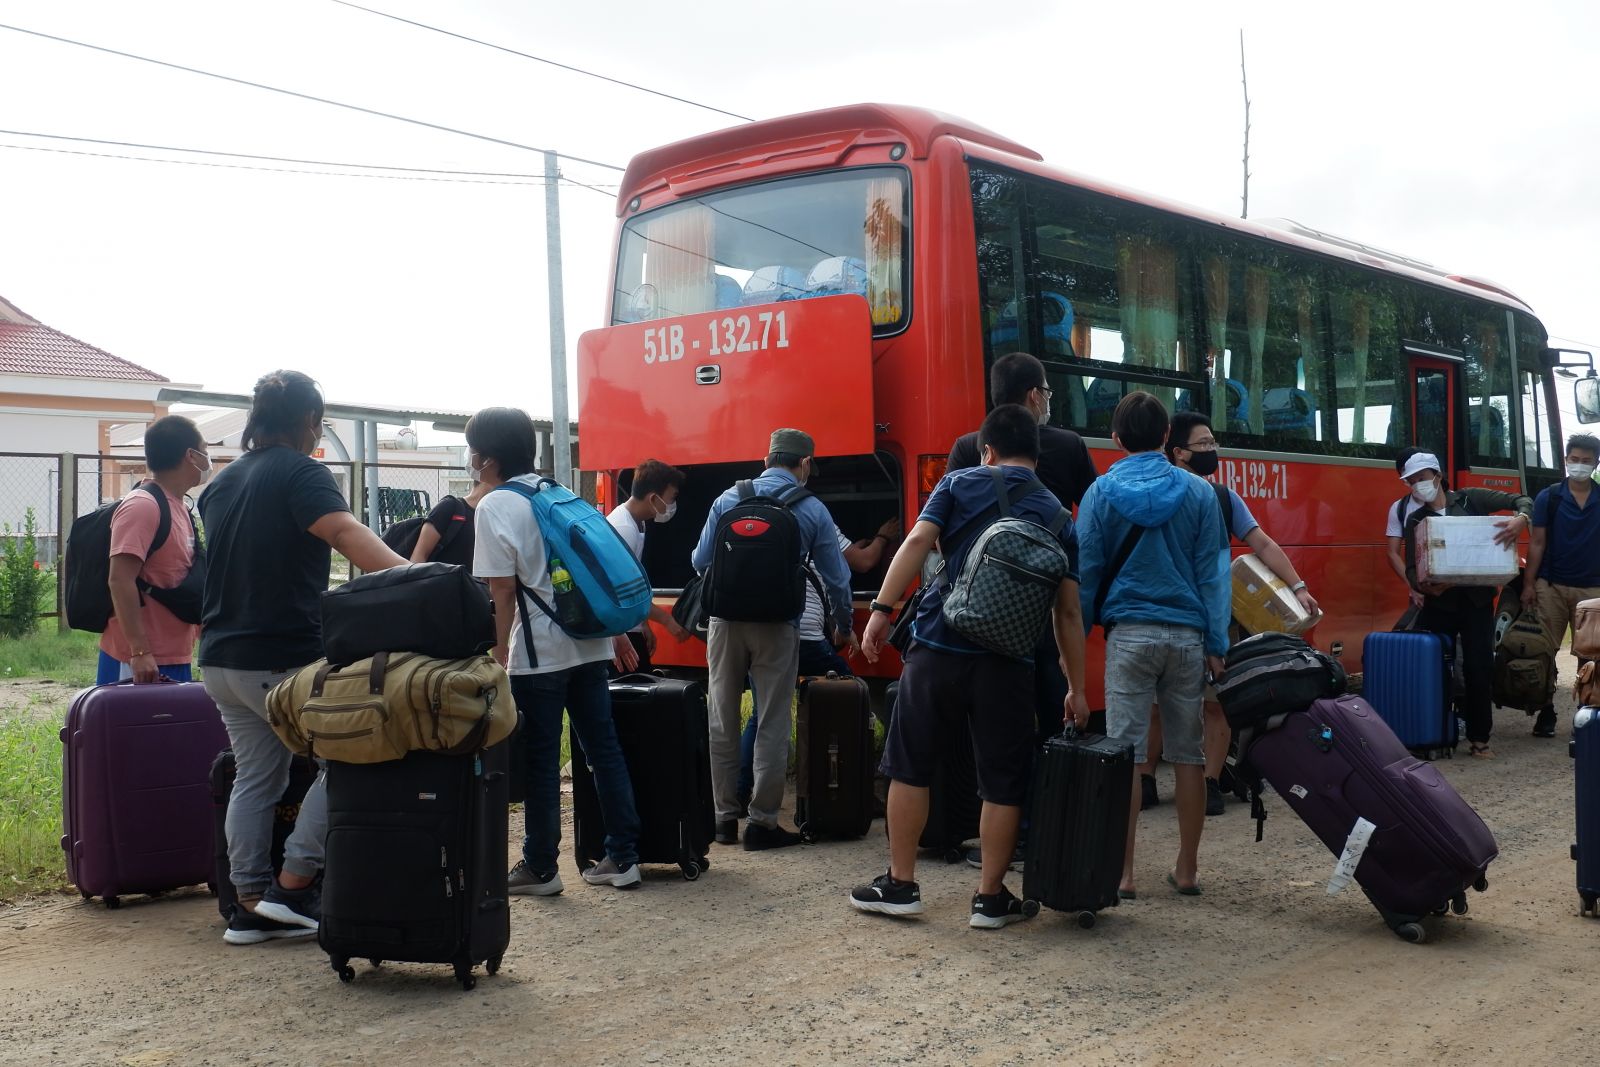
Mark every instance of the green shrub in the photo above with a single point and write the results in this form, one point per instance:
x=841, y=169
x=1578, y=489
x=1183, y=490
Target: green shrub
x=23, y=582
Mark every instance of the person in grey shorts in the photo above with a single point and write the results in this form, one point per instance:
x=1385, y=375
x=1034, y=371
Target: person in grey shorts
x=1165, y=609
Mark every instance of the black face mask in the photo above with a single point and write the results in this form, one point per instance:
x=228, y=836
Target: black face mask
x=1203, y=463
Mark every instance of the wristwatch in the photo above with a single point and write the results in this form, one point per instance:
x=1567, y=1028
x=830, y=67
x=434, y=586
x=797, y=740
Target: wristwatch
x=878, y=605
x=1297, y=586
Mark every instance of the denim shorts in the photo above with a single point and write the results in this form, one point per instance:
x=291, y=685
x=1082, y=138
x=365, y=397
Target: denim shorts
x=1156, y=663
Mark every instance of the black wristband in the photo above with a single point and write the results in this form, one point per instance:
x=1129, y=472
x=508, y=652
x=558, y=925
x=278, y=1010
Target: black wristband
x=880, y=606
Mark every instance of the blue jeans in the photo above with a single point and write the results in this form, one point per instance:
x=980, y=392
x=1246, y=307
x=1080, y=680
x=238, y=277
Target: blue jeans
x=582, y=691
x=817, y=658
x=112, y=670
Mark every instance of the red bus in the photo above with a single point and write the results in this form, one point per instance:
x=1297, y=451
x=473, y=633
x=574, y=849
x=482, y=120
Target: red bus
x=854, y=271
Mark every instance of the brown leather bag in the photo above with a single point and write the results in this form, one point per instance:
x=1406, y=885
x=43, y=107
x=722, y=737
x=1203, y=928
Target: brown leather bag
x=1587, y=689
x=1586, y=630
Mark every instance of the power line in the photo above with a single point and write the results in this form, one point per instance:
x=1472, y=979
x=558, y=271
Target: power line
x=305, y=96
x=542, y=59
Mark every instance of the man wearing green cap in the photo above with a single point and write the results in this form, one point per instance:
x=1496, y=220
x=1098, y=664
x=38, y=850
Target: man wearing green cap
x=748, y=585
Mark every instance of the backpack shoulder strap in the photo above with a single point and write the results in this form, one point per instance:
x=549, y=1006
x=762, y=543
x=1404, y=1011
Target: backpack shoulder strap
x=1058, y=523
x=1399, y=511
x=1114, y=568
x=792, y=495
x=522, y=489
x=1225, y=509
x=458, y=519
x=1002, y=498
x=164, y=526
x=746, y=488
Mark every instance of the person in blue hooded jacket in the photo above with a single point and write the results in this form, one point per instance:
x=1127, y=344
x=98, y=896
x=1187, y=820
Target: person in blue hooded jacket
x=1165, y=610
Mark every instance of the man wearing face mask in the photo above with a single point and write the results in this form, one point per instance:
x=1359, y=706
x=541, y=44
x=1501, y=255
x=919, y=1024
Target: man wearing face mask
x=653, y=498
x=146, y=637
x=1564, y=552
x=1463, y=612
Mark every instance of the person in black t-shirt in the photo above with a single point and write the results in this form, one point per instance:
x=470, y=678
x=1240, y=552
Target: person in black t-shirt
x=446, y=534
x=273, y=518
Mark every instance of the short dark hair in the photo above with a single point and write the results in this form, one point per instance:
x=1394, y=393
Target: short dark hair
x=1405, y=454
x=168, y=441
x=789, y=460
x=654, y=476
x=1012, y=431
x=1586, y=441
x=1183, y=424
x=1013, y=376
x=1140, y=422
x=505, y=435
x=283, y=404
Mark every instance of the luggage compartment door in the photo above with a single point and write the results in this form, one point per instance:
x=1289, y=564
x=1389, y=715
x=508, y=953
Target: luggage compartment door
x=710, y=388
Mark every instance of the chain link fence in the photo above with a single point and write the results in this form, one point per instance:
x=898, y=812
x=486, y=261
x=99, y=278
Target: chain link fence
x=409, y=490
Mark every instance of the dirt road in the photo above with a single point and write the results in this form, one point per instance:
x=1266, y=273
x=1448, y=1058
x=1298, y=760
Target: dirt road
x=762, y=961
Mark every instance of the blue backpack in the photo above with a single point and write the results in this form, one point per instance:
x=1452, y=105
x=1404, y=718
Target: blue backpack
x=607, y=592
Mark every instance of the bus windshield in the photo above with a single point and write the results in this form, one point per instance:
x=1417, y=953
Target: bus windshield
x=790, y=239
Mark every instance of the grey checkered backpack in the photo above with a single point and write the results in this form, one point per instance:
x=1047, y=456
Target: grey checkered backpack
x=1007, y=586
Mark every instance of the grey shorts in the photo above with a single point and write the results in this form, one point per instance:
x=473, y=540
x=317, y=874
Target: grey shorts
x=1156, y=663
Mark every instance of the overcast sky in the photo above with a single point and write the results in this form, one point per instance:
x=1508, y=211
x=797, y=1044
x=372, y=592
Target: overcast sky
x=1465, y=134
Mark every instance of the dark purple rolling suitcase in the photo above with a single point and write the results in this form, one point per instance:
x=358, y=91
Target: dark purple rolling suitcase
x=135, y=790
x=1338, y=762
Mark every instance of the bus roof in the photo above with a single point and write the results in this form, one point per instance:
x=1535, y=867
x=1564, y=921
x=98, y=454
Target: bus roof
x=725, y=156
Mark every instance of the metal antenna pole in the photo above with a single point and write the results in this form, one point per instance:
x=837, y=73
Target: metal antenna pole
x=561, y=429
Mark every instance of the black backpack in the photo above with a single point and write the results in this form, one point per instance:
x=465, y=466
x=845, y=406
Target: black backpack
x=403, y=536
x=758, y=562
x=88, y=568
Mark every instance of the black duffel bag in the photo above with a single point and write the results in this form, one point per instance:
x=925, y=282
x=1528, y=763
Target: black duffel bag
x=1275, y=674
x=436, y=609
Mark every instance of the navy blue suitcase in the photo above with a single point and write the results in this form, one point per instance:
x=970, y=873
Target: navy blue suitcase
x=1585, y=750
x=1408, y=682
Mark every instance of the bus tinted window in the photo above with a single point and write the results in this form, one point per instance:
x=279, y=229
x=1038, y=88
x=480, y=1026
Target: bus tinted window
x=1368, y=364
x=1488, y=379
x=1540, y=451
x=790, y=239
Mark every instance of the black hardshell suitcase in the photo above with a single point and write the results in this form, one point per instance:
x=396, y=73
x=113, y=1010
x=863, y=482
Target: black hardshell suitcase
x=834, y=766
x=416, y=862
x=302, y=772
x=662, y=728
x=1078, y=825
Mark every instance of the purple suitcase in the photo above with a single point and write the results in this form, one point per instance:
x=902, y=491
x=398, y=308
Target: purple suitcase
x=1337, y=762
x=136, y=793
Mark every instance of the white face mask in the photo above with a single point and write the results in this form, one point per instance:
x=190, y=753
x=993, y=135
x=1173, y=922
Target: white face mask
x=205, y=471
x=666, y=516
x=477, y=471
x=1425, y=491
x=1580, y=470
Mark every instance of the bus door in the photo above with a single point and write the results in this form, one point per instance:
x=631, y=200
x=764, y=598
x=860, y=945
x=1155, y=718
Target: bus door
x=1435, y=379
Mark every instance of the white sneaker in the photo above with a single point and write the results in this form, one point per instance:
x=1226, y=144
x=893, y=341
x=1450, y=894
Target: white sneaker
x=606, y=873
x=522, y=882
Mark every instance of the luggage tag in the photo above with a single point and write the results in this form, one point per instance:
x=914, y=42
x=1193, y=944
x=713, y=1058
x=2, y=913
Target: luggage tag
x=1355, y=846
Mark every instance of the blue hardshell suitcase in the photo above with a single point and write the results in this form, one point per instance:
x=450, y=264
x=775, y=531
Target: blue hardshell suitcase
x=1585, y=751
x=1408, y=683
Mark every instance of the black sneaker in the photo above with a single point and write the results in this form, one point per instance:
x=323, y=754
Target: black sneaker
x=247, y=928
x=295, y=907
x=1545, y=724
x=758, y=838
x=727, y=832
x=1147, y=792
x=1214, y=797
x=886, y=896
x=996, y=910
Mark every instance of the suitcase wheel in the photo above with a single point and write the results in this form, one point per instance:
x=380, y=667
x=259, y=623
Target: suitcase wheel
x=1085, y=920
x=375, y=963
x=955, y=854
x=468, y=980
x=1588, y=908
x=1412, y=932
x=1481, y=884
x=1030, y=908
x=1458, y=903
x=690, y=869
x=705, y=864
x=492, y=965
x=347, y=973
x=112, y=902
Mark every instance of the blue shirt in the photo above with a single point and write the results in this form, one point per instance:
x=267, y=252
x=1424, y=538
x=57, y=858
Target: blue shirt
x=1240, y=521
x=817, y=533
x=1574, y=534
x=960, y=497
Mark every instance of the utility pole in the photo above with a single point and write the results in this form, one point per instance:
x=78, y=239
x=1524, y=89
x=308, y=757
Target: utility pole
x=1244, y=80
x=561, y=430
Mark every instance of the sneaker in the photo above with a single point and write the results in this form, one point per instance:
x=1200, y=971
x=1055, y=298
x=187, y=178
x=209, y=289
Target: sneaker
x=1147, y=792
x=758, y=838
x=606, y=872
x=247, y=928
x=1214, y=797
x=995, y=910
x=975, y=859
x=727, y=832
x=886, y=896
x=1545, y=724
x=522, y=882
x=293, y=907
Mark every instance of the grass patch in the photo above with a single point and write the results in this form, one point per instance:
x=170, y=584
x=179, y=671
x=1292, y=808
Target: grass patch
x=70, y=658
x=30, y=804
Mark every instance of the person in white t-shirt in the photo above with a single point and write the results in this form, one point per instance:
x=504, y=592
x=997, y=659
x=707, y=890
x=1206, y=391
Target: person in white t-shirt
x=550, y=671
x=1394, y=530
x=653, y=498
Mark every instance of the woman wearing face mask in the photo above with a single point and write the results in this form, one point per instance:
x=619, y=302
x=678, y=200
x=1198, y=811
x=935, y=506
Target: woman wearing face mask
x=653, y=498
x=273, y=517
x=1463, y=612
x=1192, y=445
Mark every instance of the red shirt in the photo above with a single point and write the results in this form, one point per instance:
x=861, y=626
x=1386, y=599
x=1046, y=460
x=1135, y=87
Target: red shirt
x=133, y=527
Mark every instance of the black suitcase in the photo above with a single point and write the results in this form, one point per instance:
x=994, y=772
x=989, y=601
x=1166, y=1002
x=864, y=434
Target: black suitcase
x=662, y=728
x=834, y=765
x=953, y=802
x=1078, y=825
x=416, y=862
x=437, y=609
x=302, y=772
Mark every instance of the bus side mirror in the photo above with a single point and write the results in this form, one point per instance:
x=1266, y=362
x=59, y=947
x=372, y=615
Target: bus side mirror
x=1586, y=398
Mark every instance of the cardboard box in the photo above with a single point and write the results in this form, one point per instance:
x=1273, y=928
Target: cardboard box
x=1262, y=601
x=1460, y=550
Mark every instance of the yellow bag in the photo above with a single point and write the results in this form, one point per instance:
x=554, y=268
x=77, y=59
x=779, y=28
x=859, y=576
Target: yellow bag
x=379, y=709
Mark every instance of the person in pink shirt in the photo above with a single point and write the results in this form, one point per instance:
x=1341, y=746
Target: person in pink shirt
x=155, y=602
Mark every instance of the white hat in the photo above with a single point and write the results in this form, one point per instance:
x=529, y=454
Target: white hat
x=1422, y=461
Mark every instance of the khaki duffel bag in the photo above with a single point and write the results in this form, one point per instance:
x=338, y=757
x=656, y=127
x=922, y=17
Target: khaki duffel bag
x=1586, y=634
x=379, y=709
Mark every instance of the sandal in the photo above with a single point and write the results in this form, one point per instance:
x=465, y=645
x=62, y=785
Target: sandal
x=1184, y=890
x=1481, y=751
